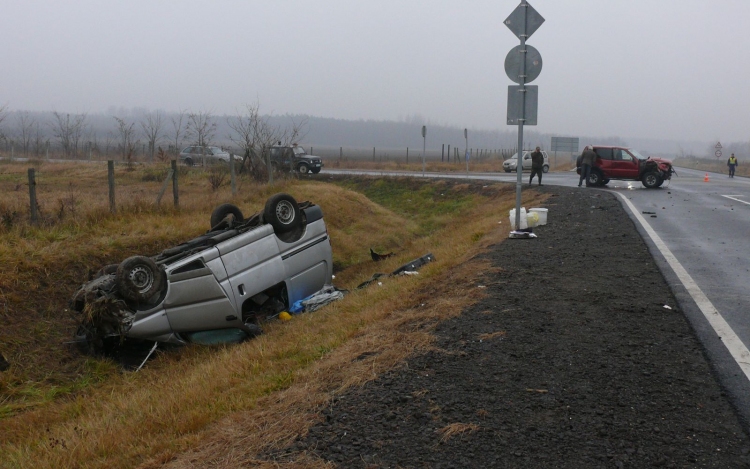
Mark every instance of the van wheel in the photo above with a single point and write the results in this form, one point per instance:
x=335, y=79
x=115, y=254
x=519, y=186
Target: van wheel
x=282, y=212
x=138, y=278
x=223, y=211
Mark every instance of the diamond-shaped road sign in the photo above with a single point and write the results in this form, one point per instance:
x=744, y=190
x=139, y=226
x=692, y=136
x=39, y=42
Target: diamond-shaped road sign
x=514, y=64
x=522, y=22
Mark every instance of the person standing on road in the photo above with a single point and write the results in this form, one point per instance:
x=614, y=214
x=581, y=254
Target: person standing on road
x=732, y=163
x=588, y=157
x=537, y=165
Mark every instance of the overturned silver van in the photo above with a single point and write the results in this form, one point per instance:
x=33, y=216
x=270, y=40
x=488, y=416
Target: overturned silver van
x=232, y=277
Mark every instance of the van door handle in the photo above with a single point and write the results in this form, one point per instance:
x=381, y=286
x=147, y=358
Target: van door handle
x=241, y=289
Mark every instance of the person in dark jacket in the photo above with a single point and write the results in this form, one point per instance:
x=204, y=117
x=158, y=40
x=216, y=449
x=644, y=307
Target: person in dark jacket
x=588, y=158
x=732, y=163
x=537, y=165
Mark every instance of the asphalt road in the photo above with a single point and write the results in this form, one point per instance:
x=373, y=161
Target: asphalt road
x=697, y=231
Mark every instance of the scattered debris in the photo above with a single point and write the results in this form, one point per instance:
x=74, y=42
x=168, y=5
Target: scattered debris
x=317, y=300
x=667, y=307
x=409, y=268
x=521, y=235
x=379, y=257
x=648, y=213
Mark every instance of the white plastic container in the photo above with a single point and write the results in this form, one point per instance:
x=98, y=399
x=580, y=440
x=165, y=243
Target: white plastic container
x=524, y=223
x=542, y=212
x=532, y=219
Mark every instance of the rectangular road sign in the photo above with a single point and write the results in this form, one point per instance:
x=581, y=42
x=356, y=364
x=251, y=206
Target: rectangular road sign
x=569, y=144
x=515, y=106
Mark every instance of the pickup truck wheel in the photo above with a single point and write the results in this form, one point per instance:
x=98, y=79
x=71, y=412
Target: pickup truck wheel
x=189, y=162
x=223, y=211
x=545, y=168
x=595, y=178
x=282, y=212
x=651, y=180
x=138, y=278
x=303, y=168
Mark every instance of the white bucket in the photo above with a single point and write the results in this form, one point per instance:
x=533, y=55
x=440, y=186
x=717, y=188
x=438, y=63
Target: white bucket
x=512, y=217
x=542, y=212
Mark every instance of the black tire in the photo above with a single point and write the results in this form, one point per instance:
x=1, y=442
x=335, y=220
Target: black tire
x=545, y=168
x=605, y=182
x=595, y=178
x=224, y=210
x=315, y=171
x=189, y=162
x=138, y=278
x=651, y=180
x=282, y=212
x=303, y=168
x=661, y=181
x=106, y=270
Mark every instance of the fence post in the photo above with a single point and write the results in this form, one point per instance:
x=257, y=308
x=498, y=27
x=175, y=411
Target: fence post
x=175, y=192
x=164, y=186
x=32, y=195
x=231, y=174
x=407, y=155
x=341, y=153
x=442, y=153
x=111, y=180
x=47, y=153
x=373, y=153
x=12, y=151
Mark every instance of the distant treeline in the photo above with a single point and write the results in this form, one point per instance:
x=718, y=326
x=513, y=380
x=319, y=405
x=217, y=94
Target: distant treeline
x=143, y=132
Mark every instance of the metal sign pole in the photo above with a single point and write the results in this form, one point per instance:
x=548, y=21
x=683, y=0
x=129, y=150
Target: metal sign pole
x=519, y=166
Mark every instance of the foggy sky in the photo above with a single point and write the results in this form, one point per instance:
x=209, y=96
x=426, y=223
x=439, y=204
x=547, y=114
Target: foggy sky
x=674, y=69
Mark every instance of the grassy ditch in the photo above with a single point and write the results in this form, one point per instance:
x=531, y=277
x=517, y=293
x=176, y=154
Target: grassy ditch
x=60, y=409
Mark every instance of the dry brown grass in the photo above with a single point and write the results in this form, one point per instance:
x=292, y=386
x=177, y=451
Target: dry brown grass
x=715, y=166
x=490, y=165
x=449, y=431
x=226, y=406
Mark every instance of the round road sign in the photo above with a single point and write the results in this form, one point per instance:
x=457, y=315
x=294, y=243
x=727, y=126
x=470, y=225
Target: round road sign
x=514, y=64
x=718, y=153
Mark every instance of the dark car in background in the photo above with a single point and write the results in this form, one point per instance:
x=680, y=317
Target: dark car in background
x=295, y=158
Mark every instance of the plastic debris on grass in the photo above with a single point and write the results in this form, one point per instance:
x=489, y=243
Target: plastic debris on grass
x=410, y=268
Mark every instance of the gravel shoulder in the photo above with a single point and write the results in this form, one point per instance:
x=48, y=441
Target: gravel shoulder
x=578, y=357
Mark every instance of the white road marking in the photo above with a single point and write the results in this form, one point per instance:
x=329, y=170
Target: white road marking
x=736, y=348
x=736, y=200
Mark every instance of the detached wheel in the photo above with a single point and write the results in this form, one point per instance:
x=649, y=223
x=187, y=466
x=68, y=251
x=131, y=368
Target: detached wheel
x=282, y=212
x=138, y=278
x=545, y=168
x=223, y=211
x=651, y=180
x=303, y=168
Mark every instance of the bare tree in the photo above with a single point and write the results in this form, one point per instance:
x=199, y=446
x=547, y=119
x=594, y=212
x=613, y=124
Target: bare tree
x=200, y=128
x=177, y=129
x=41, y=141
x=253, y=133
x=126, y=138
x=3, y=115
x=68, y=130
x=25, y=130
x=152, y=128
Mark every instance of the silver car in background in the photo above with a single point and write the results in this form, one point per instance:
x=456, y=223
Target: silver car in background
x=231, y=278
x=196, y=154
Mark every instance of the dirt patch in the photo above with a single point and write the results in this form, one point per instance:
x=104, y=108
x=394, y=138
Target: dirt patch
x=570, y=360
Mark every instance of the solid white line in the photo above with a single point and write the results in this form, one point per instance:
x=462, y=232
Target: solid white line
x=736, y=348
x=737, y=200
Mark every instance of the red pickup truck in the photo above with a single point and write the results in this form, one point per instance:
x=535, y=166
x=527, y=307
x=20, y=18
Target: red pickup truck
x=628, y=164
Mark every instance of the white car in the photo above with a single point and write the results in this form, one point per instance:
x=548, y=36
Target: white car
x=196, y=154
x=512, y=163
